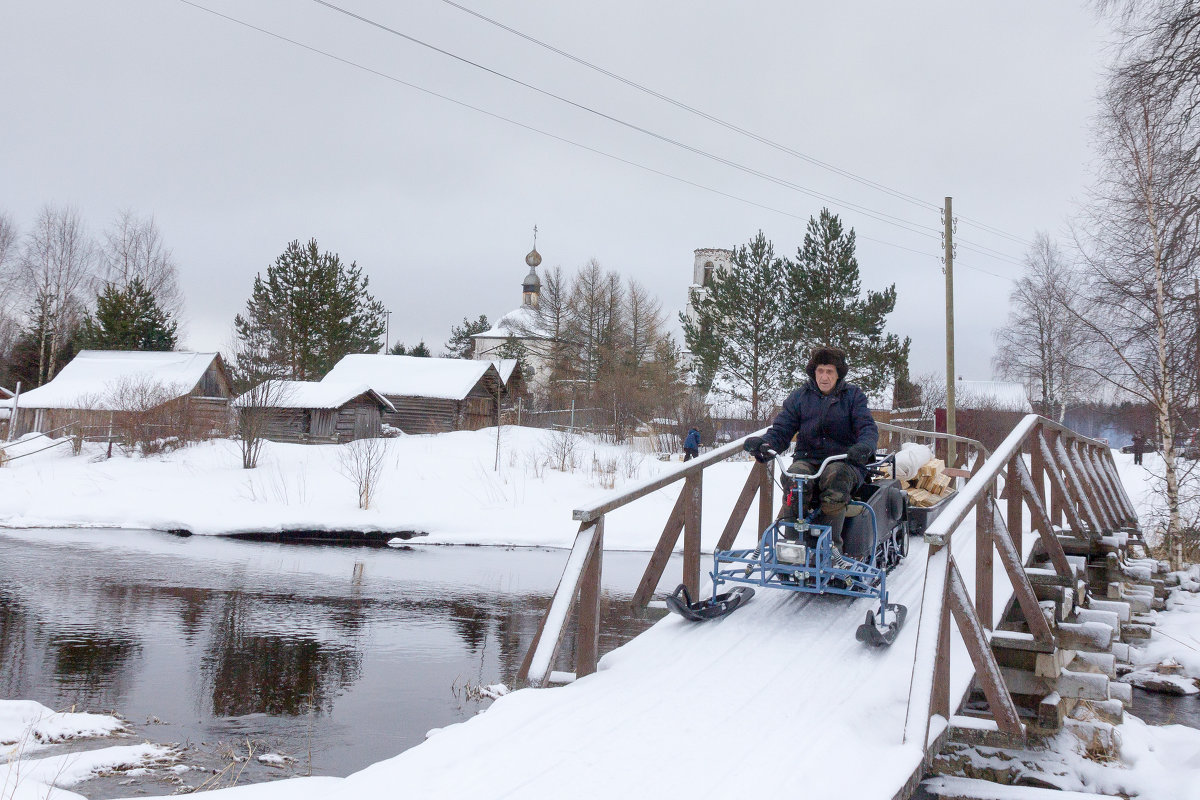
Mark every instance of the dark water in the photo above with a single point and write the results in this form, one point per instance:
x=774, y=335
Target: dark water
x=335, y=657
x=1166, y=709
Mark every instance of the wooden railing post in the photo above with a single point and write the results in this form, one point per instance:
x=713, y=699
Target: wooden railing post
x=1110, y=469
x=1100, y=488
x=987, y=671
x=940, y=700
x=693, y=490
x=1014, y=495
x=766, y=495
x=1057, y=499
x=1037, y=467
x=983, y=557
x=1058, y=487
x=587, y=637
x=543, y=650
x=1075, y=455
x=1077, y=491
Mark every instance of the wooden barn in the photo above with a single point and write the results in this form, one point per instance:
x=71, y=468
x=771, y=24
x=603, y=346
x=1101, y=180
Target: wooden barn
x=181, y=394
x=428, y=395
x=317, y=412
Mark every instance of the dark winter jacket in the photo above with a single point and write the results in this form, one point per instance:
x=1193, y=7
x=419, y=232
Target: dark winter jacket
x=825, y=425
x=692, y=442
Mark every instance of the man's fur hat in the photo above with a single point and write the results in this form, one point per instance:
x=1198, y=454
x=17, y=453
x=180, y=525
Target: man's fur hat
x=825, y=354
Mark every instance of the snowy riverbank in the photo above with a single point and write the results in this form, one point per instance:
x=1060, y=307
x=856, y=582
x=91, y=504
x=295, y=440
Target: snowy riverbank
x=445, y=486
x=26, y=728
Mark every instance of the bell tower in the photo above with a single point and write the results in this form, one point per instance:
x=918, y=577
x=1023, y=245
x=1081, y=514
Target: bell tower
x=531, y=287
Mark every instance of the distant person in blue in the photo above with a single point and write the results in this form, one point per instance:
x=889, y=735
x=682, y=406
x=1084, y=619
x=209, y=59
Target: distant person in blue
x=691, y=445
x=828, y=417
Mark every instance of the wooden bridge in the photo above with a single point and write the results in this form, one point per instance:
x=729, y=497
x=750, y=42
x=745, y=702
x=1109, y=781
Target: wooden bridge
x=1056, y=577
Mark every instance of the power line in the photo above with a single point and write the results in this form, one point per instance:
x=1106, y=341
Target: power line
x=690, y=109
x=880, y=216
x=733, y=126
x=542, y=132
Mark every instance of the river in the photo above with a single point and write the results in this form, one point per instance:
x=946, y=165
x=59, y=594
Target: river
x=335, y=657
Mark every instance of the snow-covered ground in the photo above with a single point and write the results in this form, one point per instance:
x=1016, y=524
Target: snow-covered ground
x=779, y=689
x=27, y=727
x=444, y=485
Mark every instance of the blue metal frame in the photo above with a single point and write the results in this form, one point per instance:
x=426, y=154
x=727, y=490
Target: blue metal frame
x=815, y=574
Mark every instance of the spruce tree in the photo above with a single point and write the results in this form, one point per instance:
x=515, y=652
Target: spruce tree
x=311, y=309
x=461, y=345
x=421, y=350
x=823, y=305
x=738, y=333
x=127, y=318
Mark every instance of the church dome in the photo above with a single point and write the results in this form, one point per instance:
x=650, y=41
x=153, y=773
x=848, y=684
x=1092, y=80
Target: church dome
x=532, y=283
x=534, y=258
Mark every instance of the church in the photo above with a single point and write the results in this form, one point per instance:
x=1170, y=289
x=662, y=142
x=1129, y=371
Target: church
x=521, y=324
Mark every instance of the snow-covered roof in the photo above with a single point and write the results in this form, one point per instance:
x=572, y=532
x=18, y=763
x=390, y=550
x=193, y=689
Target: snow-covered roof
x=311, y=394
x=505, y=367
x=5, y=392
x=94, y=377
x=997, y=395
x=410, y=376
x=520, y=322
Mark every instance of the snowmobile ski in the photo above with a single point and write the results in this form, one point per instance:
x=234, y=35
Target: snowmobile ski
x=877, y=636
x=681, y=603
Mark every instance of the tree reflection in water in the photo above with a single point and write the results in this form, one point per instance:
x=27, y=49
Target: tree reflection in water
x=248, y=672
x=92, y=668
x=252, y=639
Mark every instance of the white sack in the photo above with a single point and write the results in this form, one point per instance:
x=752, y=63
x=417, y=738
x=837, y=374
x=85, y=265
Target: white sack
x=912, y=457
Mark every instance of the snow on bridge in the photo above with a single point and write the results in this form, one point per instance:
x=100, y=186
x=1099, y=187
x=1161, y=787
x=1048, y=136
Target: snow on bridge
x=778, y=696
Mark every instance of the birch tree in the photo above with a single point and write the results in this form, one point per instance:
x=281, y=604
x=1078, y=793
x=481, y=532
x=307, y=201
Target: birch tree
x=55, y=270
x=132, y=248
x=1139, y=240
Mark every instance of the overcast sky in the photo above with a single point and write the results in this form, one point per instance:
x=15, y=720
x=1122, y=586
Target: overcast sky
x=238, y=142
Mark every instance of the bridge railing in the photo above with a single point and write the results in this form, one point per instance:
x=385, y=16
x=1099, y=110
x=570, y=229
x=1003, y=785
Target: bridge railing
x=579, y=588
x=1083, y=487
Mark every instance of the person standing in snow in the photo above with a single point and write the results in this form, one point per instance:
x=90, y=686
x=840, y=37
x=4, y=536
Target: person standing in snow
x=827, y=417
x=691, y=445
x=1139, y=446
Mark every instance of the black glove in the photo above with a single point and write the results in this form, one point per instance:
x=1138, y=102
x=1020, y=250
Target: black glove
x=759, y=448
x=860, y=454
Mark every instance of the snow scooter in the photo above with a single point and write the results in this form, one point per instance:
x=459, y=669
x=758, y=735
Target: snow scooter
x=797, y=555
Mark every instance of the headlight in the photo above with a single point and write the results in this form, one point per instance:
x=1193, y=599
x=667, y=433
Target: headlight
x=790, y=553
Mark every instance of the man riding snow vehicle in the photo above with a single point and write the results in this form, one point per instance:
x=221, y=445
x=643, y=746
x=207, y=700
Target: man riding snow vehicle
x=844, y=521
x=828, y=417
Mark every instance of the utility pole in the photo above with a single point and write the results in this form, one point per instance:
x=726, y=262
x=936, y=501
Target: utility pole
x=387, y=331
x=948, y=235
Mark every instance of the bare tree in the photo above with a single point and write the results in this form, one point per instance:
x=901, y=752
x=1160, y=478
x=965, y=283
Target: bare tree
x=1140, y=241
x=361, y=461
x=55, y=269
x=595, y=315
x=261, y=389
x=133, y=248
x=1041, y=342
x=9, y=251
